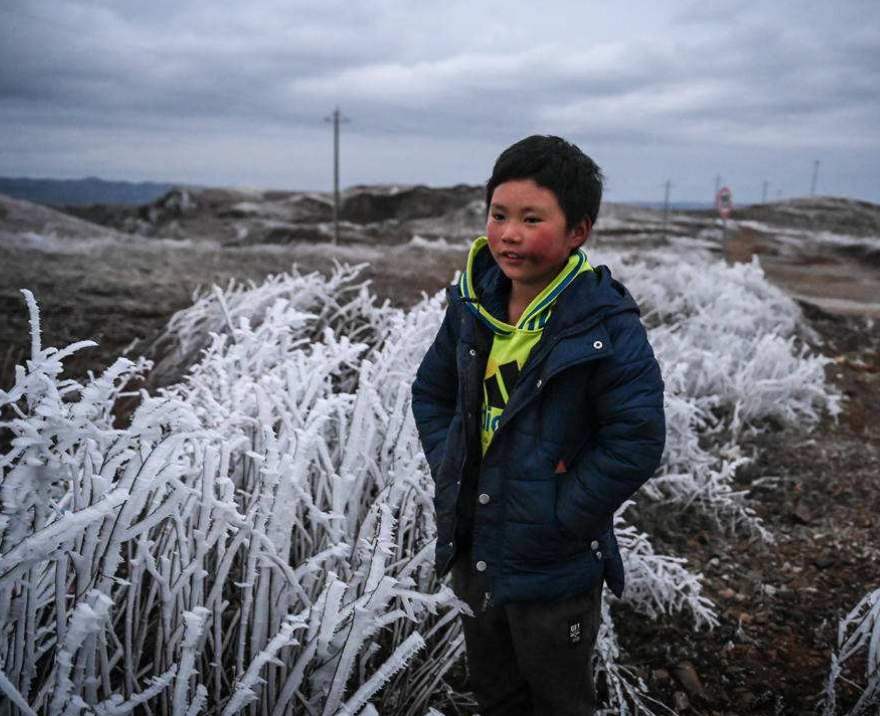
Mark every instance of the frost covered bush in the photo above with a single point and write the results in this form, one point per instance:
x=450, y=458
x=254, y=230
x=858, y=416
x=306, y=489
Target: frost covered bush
x=732, y=358
x=256, y=538
x=260, y=538
x=336, y=301
x=858, y=634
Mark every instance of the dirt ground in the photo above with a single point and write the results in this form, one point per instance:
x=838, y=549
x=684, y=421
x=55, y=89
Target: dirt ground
x=779, y=604
x=835, y=278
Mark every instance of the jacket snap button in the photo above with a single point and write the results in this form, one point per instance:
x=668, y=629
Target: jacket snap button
x=481, y=566
x=598, y=345
x=539, y=383
x=594, y=545
x=598, y=555
x=451, y=544
x=484, y=499
x=472, y=352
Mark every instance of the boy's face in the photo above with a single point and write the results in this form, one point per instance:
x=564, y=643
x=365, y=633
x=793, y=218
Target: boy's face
x=527, y=234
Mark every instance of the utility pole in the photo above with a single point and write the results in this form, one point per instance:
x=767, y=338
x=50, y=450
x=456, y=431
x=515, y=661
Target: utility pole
x=336, y=118
x=668, y=185
x=717, y=185
x=764, y=192
x=815, y=178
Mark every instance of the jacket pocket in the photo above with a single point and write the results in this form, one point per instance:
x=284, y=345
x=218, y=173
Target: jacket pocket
x=568, y=531
x=584, y=531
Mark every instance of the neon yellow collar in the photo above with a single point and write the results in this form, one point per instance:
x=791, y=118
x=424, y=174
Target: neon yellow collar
x=538, y=311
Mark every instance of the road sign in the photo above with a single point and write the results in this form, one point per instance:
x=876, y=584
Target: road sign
x=724, y=202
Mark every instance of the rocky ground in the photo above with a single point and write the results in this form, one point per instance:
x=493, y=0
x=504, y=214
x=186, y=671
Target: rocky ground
x=779, y=604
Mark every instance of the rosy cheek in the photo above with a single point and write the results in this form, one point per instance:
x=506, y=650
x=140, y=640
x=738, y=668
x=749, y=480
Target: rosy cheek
x=493, y=233
x=541, y=243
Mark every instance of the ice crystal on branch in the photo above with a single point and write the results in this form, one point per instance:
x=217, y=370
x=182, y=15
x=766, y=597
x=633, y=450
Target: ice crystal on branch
x=858, y=634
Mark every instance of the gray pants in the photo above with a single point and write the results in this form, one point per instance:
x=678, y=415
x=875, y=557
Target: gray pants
x=528, y=658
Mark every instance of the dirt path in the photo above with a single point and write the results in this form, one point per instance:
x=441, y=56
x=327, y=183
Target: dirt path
x=836, y=279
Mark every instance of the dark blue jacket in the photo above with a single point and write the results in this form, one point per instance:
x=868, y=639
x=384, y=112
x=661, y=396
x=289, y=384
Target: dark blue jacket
x=583, y=429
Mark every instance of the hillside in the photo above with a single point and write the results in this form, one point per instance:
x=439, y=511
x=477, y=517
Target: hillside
x=831, y=214
x=24, y=221
x=239, y=217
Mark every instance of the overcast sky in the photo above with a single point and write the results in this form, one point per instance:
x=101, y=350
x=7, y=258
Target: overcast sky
x=224, y=93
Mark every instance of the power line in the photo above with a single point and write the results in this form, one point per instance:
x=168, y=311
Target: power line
x=336, y=118
x=668, y=186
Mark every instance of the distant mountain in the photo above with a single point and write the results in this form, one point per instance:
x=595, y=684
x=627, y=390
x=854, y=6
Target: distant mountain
x=81, y=192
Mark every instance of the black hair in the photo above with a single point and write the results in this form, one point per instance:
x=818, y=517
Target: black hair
x=557, y=165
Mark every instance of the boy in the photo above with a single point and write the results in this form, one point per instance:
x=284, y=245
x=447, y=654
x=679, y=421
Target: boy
x=540, y=410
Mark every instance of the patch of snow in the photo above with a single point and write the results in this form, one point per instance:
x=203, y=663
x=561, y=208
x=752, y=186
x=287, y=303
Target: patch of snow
x=248, y=191
x=343, y=252
x=683, y=219
x=707, y=239
x=768, y=228
x=248, y=207
x=828, y=237
x=277, y=224
x=440, y=244
x=841, y=305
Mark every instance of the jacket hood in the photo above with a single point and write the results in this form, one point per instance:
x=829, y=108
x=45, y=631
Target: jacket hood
x=583, y=293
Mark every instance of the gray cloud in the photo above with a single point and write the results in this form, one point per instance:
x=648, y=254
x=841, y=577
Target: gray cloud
x=238, y=94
